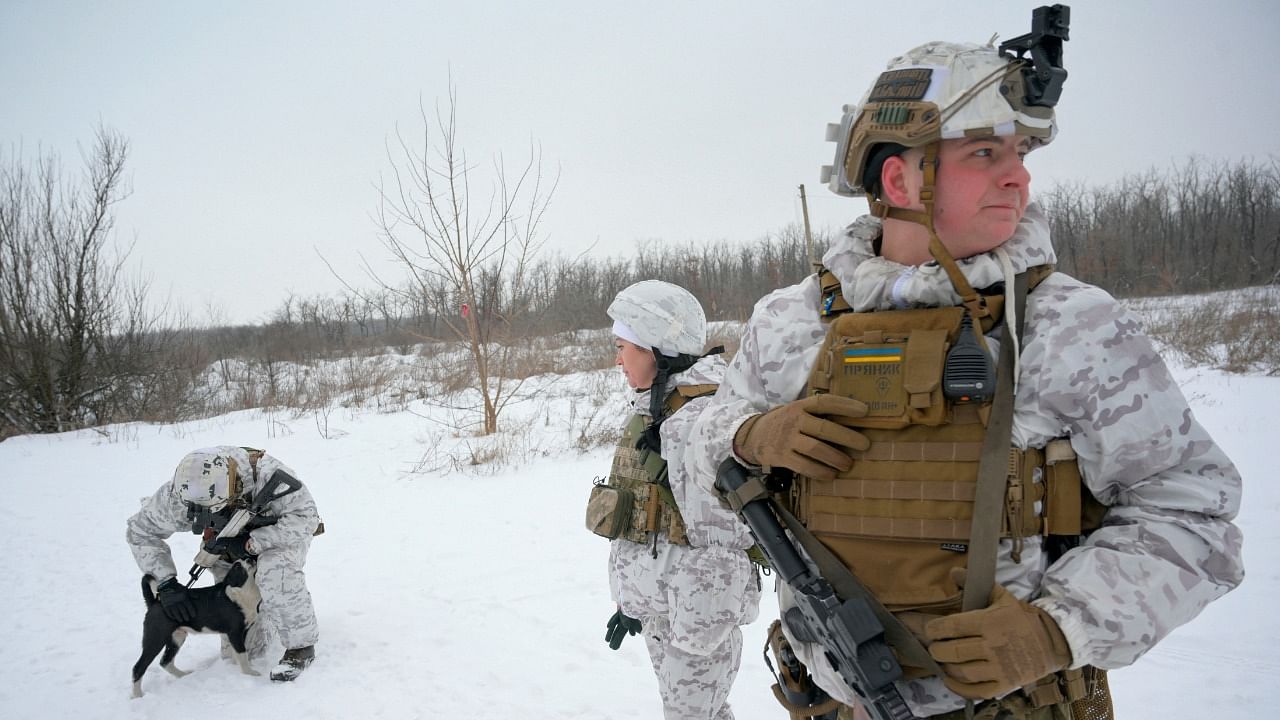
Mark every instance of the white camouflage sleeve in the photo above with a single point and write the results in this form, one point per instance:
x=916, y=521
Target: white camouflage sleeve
x=1167, y=547
x=708, y=520
x=779, y=347
x=160, y=516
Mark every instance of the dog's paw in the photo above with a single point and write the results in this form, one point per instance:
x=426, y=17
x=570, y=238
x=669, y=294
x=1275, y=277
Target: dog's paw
x=243, y=661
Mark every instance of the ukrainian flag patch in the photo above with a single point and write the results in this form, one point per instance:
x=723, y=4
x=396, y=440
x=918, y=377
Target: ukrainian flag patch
x=873, y=355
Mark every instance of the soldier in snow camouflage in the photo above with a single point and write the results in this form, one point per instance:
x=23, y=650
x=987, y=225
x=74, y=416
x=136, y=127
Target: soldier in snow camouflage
x=689, y=593
x=1084, y=370
x=211, y=481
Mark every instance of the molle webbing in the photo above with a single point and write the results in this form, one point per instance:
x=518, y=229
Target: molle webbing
x=1085, y=691
x=643, y=473
x=923, y=491
x=901, y=517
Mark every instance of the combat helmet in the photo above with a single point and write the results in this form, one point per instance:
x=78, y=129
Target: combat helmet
x=668, y=319
x=941, y=91
x=661, y=316
x=212, y=477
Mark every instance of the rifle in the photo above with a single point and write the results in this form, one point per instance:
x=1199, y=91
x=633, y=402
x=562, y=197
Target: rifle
x=242, y=519
x=848, y=630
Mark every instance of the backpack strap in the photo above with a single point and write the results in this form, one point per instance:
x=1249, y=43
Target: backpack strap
x=831, y=300
x=684, y=393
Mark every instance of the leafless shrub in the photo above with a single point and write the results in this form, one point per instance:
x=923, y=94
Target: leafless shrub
x=1201, y=226
x=1252, y=337
x=1237, y=332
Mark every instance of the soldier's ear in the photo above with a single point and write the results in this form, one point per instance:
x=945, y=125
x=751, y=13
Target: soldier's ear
x=896, y=183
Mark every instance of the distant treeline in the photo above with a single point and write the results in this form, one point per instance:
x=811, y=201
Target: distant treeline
x=1198, y=227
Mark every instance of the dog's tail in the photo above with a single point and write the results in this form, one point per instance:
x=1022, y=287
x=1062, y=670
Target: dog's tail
x=148, y=594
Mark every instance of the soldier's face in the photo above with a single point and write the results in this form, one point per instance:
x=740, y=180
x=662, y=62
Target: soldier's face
x=982, y=190
x=637, y=363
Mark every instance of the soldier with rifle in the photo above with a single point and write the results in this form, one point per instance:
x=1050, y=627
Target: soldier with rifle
x=246, y=505
x=977, y=479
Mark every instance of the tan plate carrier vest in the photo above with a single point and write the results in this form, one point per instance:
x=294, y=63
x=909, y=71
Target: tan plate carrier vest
x=900, y=517
x=636, y=502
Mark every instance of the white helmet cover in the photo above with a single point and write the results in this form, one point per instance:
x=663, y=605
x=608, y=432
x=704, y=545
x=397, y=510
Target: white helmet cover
x=662, y=316
x=935, y=92
x=211, y=477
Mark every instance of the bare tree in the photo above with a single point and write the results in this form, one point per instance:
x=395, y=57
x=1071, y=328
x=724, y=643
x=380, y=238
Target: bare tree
x=1204, y=225
x=466, y=246
x=78, y=346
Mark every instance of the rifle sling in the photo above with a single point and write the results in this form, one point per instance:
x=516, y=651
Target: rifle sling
x=847, y=586
x=993, y=470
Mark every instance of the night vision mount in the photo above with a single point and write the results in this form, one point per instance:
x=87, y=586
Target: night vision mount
x=1044, y=76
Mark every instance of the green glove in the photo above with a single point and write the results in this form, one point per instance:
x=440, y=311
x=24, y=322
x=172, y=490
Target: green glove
x=619, y=627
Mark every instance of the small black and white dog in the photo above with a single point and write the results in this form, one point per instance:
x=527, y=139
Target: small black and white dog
x=229, y=607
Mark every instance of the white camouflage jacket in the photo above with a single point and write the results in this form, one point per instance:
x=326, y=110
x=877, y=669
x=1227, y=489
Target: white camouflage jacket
x=709, y=586
x=1086, y=370
x=164, y=513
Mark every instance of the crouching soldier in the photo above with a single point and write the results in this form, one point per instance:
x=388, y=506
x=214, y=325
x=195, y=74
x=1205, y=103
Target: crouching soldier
x=956, y=416
x=207, y=490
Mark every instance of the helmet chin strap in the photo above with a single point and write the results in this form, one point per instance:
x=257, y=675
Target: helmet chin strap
x=667, y=366
x=975, y=303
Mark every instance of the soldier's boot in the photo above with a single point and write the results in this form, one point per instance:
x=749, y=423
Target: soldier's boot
x=292, y=663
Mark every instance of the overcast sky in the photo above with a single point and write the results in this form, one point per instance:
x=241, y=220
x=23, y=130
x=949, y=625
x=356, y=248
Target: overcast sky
x=258, y=130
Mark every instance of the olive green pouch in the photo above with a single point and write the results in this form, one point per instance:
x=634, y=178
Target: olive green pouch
x=609, y=510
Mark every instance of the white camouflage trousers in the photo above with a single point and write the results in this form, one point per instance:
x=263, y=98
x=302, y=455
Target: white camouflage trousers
x=286, y=603
x=693, y=687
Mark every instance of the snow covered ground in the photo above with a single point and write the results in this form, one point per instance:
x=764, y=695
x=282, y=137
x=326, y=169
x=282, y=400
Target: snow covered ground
x=475, y=591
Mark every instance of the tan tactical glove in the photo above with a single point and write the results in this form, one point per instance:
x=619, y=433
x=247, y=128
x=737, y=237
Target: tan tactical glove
x=1007, y=645
x=806, y=436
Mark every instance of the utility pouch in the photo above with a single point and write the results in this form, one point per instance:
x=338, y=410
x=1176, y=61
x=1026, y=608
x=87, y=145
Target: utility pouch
x=1084, y=690
x=1096, y=704
x=609, y=510
x=893, y=361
